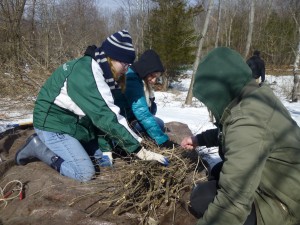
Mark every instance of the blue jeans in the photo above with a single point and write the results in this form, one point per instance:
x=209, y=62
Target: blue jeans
x=76, y=155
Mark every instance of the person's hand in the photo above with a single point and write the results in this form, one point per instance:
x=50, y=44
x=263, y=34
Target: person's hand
x=144, y=154
x=169, y=145
x=189, y=142
x=106, y=159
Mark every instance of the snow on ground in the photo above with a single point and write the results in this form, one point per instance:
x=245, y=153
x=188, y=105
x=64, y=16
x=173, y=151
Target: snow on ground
x=171, y=105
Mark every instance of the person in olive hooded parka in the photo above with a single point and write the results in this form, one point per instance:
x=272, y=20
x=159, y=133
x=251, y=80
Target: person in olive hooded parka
x=259, y=181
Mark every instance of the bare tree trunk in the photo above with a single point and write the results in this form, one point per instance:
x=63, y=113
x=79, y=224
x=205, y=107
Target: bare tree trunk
x=32, y=40
x=165, y=82
x=189, y=97
x=250, y=31
x=230, y=31
x=229, y=13
x=218, y=24
x=296, y=86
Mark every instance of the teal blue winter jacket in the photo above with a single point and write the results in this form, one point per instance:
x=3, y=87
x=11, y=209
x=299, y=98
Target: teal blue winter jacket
x=136, y=99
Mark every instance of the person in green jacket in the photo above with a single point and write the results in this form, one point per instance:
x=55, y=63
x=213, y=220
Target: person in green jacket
x=259, y=179
x=75, y=108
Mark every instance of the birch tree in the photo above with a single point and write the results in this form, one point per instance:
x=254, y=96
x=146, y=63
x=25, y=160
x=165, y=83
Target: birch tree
x=218, y=24
x=296, y=85
x=189, y=97
x=250, y=30
x=230, y=12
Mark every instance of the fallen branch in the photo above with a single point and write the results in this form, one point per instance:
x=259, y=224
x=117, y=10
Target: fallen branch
x=144, y=187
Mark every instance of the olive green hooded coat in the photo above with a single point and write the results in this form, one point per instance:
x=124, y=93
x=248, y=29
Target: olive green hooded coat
x=260, y=144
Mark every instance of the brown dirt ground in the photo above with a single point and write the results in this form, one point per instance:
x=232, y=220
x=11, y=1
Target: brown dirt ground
x=48, y=194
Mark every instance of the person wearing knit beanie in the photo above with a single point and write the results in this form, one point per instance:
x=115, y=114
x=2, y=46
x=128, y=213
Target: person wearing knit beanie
x=119, y=46
x=139, y=103
x=148, y=63
x=114, y=56
x=75, y=111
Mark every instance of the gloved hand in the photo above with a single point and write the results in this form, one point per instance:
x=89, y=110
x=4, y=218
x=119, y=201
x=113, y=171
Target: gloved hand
x=169, y=145
x=153, y=107
x=144, y=154
x=106, y=160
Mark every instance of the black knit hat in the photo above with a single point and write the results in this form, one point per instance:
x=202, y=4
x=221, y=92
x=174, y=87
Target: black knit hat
x=119, y=47
x=148, y=63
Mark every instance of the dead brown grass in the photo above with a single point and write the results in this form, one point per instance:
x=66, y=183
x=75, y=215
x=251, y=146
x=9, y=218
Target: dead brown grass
x=282, y=70
x=18, y=82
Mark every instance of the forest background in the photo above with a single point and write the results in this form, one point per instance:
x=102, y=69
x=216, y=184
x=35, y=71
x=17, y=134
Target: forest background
x=36, y=36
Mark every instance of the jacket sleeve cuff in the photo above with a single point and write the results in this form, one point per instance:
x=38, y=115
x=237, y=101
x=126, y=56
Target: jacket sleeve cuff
x=200, y=139
x=137, y=150
x=208, y=138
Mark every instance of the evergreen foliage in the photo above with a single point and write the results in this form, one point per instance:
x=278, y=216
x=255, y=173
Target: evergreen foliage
x=171, y=34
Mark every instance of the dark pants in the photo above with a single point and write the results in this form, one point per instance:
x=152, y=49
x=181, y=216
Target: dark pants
x=205, y=192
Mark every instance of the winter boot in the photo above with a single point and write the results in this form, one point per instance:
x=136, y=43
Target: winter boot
x=35, y=149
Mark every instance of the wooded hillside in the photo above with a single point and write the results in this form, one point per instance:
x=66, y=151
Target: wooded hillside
x=36, y=36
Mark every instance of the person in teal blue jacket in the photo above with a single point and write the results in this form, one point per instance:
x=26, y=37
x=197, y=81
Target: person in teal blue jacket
x=140, y=98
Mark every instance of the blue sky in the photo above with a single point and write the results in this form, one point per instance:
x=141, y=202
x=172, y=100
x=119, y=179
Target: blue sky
x=114, y=4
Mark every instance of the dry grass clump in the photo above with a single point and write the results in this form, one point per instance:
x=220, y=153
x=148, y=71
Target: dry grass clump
x=17, y=82
x=145, y=188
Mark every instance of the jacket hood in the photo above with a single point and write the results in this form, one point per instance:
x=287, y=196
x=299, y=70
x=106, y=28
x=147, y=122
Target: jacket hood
x=148, y=63
x=220, y=77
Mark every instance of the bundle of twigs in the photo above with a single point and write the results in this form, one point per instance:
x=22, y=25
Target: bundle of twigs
x=143, y=187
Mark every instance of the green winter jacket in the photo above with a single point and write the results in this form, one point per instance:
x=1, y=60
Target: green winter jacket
x=77, y=101
x=260, y=143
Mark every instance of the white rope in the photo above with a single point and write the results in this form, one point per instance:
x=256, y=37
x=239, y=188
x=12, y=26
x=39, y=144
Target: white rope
x=7, y=194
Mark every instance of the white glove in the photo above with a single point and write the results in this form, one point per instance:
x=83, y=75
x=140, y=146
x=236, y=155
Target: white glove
x=106, y=159
x=144, y=154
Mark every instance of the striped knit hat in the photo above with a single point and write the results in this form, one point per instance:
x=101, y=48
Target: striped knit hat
x=119, y=47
